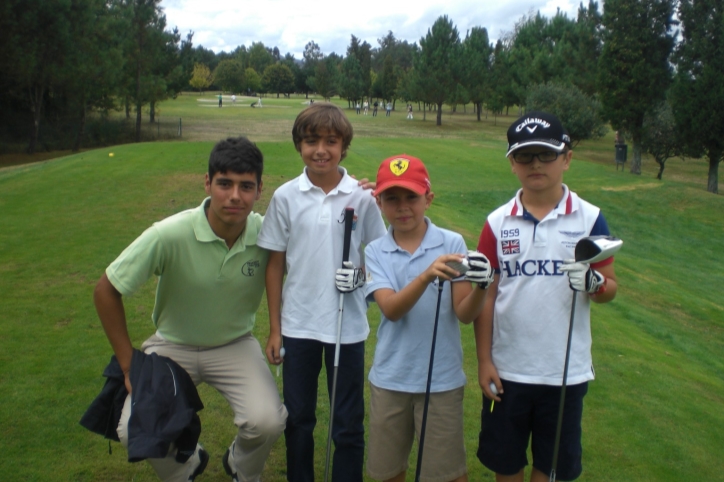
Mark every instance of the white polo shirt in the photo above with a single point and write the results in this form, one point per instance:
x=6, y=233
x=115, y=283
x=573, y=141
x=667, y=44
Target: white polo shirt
x=533, y=306
x=308, y=225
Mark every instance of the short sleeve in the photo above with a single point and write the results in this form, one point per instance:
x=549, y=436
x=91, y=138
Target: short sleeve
x=142, y=259
x=488, y=245
x=274, y=233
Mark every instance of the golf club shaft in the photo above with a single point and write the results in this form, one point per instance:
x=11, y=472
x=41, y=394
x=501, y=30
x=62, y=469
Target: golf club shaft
x=348, y=222
x=429, y=384
x=561, y=403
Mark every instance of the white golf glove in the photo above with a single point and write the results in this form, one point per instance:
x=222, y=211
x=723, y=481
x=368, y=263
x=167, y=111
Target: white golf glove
x=480, y=271
x=349, y=278
x=581, y=277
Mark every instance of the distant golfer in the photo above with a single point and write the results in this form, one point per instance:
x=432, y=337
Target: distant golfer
x=404, y=269
x=522, y=333
x=303, y=228
x=210, y=283
x=220, y=100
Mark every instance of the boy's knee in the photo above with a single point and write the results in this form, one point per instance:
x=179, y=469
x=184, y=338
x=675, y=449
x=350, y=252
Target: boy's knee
x=269, y=422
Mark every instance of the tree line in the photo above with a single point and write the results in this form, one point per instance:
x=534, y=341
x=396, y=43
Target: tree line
x=648, y=68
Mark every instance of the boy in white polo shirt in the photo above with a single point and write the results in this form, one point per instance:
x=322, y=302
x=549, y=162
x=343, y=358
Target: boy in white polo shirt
x=522, y=333
x=404, y=269
x=304, y=229
x=210, y=283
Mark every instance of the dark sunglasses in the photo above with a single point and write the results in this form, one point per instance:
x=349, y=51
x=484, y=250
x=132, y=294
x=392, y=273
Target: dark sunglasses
x=527, y=157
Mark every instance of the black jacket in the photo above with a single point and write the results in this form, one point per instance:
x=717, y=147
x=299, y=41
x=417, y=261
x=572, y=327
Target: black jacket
x=164, y=405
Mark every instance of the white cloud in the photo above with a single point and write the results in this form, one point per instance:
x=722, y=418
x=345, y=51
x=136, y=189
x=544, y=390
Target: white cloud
x=226, y=24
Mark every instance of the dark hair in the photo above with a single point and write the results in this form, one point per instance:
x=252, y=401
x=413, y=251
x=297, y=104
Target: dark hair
x=322, y=116
x=236, y=154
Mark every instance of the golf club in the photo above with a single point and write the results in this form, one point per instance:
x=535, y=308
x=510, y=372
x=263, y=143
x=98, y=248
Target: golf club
x=588, y=250
x=429, y=383
x=348, y=220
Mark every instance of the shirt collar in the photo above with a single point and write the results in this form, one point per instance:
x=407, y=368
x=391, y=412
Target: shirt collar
x=204, y=233
x=566, y=205
x=346, y=184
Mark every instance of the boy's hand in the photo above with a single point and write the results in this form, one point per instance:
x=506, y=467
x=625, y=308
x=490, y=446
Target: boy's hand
x=581, y=277
x=349, y=278
x=480, y=271
x=487, y=375
x=273, y=349
x=441, y=269
x=365, y=183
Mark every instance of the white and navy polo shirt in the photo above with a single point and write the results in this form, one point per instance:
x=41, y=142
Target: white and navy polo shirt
x=533, y=305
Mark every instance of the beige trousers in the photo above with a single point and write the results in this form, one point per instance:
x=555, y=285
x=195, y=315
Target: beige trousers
x=239, y=372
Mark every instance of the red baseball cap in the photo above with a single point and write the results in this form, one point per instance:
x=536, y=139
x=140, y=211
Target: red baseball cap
x=403, y=171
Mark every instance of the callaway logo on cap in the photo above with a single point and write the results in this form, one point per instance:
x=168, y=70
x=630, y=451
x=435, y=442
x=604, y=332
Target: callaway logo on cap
x=403, y=171
x=537, y=129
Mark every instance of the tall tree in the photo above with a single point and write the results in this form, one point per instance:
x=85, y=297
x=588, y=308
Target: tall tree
x=311, y=56
x=39, y=43
x=634, y=71
x=476, y=65
x=698, y=90
x=259, y=57
x=437, y=64
x=362, y=52
x=278, y=78
x=229, y=75
x=351, y=80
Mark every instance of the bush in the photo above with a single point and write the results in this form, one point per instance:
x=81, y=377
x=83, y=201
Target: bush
x=579, y=113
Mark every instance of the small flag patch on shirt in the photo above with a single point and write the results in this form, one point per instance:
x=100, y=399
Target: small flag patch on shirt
x=510, y=246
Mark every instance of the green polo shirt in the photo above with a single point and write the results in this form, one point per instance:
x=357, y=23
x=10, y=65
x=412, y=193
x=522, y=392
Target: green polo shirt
x=207, y=294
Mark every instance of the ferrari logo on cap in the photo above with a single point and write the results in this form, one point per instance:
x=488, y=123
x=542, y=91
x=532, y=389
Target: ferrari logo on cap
x=399, y=166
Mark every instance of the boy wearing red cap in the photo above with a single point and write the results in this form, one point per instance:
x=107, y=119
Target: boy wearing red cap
x=404, y=269
x=522, y=333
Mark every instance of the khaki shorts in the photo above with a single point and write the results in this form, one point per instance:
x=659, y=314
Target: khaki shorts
x=395, y=420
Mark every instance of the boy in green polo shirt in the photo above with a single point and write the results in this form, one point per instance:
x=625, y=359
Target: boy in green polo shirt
x=210, y=283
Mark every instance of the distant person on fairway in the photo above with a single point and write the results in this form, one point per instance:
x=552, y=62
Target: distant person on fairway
x=404, y=269
x=303, y=228
x=210, y=282
x=389, y=109
x=374, y=109
x=366, y=107
x=220, y=100
x=522, y=333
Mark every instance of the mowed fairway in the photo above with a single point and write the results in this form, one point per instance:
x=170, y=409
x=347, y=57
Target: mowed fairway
x=654, y=412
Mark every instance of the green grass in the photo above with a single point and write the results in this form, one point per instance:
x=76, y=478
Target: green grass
x=653, y=413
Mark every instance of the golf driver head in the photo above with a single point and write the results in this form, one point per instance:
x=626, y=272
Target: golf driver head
x=593, y=249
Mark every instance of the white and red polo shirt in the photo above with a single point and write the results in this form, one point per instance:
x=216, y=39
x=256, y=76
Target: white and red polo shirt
x=533, y=305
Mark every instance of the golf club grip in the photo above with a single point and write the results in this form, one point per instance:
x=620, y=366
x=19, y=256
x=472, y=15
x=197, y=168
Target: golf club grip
x=348, y=220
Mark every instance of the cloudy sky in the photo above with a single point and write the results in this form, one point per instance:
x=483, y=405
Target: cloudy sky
x=289, y=24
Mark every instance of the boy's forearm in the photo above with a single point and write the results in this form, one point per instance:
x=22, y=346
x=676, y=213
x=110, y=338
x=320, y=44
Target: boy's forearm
x=274, y=282
x=398, y=304
x=469, y=307
x=109, y=306
x=483, y=325
x=611, y=285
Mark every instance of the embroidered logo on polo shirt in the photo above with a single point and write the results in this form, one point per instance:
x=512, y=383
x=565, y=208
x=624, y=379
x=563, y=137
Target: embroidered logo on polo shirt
x=572, y=234
x=510, y=246
x=250, y=267
x=399, y=166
